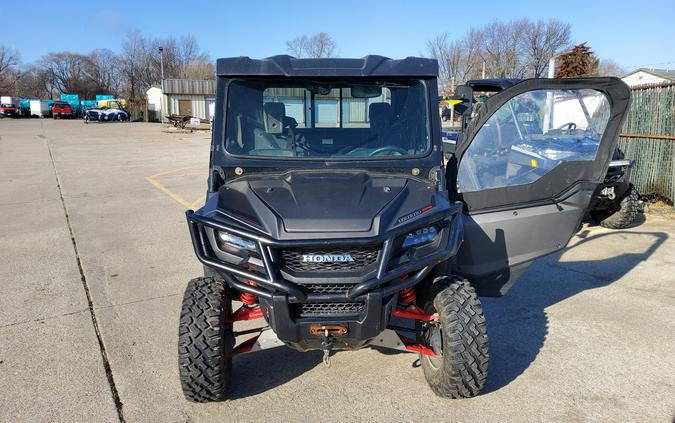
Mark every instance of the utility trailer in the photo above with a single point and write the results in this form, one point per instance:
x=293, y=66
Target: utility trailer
x=40, y=108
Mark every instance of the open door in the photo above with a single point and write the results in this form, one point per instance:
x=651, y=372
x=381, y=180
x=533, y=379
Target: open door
x=526, y=169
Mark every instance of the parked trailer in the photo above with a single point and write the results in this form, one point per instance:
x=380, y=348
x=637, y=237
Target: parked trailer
x=39, y=108
x=74, y=101
x=25, y=107
x=9, y=106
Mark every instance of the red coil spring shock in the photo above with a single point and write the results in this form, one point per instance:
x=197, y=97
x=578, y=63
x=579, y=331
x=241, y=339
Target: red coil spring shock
x=407, y=295
x=248, y=298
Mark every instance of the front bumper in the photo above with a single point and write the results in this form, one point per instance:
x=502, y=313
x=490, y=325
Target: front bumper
x=9, y=113
x=280, y=298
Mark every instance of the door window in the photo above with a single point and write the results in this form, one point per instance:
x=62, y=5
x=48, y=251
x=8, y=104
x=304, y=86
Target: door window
x=530, y=135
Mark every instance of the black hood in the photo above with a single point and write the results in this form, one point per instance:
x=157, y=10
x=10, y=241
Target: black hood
x=327, y=202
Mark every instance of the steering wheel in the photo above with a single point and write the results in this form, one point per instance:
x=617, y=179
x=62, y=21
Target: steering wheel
x=391, y=148
x=569, y=126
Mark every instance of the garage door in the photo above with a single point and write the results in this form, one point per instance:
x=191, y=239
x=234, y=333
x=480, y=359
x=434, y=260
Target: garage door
x=185, y=107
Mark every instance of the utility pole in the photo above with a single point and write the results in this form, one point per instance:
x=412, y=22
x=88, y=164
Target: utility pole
x=483, y=73
x=161, y=62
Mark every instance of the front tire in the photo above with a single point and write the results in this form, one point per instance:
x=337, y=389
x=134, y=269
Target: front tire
x=459, y=339
x=205, y=341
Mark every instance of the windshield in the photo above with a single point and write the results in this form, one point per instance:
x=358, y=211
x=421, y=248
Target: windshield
x=336, y=120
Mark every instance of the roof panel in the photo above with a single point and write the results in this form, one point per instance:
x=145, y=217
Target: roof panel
x=189, y=86
x=288, y=66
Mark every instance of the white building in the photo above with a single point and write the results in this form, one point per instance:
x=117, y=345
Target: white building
x=645, y=76
x=188, y=97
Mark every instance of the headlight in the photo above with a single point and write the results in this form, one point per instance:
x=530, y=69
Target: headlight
x=420, y=237
x=235, y=242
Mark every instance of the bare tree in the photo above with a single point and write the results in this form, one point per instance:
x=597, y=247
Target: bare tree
x=141, y=61
x=33, y=82
x=320, y=45
x=9, y=59
x=128, y=74
x=608, y=67
x=440, y=48
x=542, y=41
x=104, y=70
x=66, y=73
x=192, y=62
x=515, y=49
x=298, y=46
x=502, y=48
x=458, y=60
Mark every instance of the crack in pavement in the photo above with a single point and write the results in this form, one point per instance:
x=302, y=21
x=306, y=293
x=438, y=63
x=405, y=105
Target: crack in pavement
x=42, y=319
x=85, y=285
x=142, y=300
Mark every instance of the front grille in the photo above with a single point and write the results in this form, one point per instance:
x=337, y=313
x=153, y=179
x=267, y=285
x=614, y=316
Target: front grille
x=328, y=309
x=362, y=258
x=331, y=288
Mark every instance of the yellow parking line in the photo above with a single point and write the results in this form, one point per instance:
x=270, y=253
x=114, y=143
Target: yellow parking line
x=183, y=202
x=198, y=202
x=168, y=172
x=180, y=200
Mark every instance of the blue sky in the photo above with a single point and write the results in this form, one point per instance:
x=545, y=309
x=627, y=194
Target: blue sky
x=620, y=30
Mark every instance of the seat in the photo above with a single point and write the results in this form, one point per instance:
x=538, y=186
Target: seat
x=275, y=115
x=271, y=135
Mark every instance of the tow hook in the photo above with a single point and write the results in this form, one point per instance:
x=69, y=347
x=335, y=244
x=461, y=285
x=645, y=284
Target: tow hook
x=326, y=346
x=327, y=332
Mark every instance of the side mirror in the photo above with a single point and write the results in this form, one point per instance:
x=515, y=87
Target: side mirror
x=464, y=93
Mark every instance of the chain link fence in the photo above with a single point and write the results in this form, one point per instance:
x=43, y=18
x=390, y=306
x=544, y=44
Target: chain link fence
x=648, y=137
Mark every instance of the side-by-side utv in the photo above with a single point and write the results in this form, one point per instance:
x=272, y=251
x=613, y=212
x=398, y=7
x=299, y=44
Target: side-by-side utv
x=332, y=220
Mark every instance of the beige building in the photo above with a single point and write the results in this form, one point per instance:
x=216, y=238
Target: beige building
x=645, y=76
x=188, y=97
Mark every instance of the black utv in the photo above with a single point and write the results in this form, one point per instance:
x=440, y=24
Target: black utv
x=332, y=219
x=615, y=203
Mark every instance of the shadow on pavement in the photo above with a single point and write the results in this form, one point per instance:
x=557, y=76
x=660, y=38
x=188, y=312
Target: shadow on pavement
x=261, y=371
x=517, y=323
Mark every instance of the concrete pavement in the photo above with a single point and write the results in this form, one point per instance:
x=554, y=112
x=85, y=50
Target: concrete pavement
x=586, y=335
